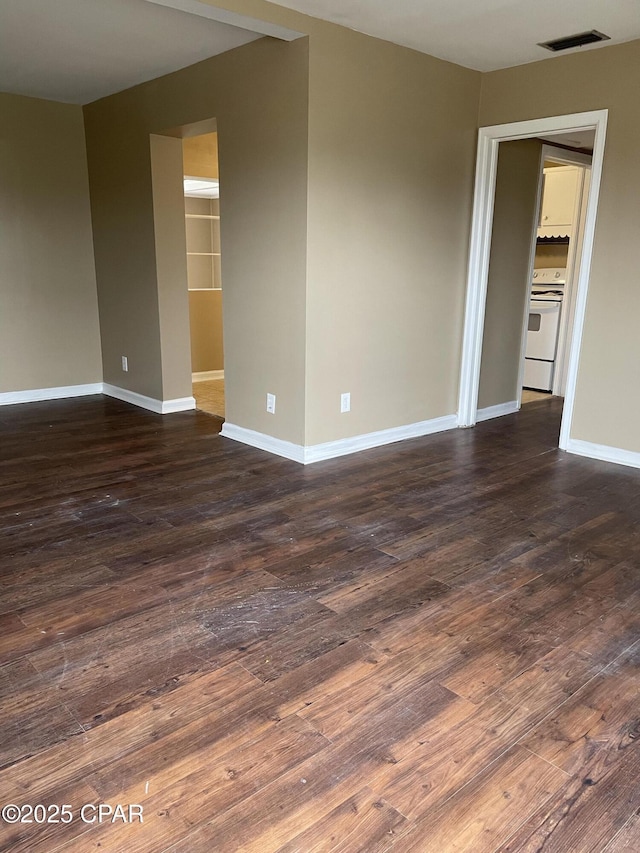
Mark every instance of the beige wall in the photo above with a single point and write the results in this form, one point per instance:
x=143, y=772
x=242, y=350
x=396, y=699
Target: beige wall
x=49, y=334
x=392, y=136
x=388, y=226
x=205, y=309
x=607, y=409
x=508, y=286
x=391, y=156
x=258, y=94
x=376, y=309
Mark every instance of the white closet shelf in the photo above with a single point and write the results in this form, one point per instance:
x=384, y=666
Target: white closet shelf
x=201, y=216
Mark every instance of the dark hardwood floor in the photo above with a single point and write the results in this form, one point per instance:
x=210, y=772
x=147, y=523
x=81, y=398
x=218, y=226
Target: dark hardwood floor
x=431, y=646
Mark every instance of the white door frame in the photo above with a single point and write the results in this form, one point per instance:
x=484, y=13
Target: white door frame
x=481, y=225
x=583, y=163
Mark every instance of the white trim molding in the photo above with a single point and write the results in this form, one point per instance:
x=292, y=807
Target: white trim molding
x=160, y=407
x=207, y=375
x=9, y=398
x=480, y=245
x=295, y=452
x=497, y=411
x=603, y=452
x=342, y=447
x=178, y=404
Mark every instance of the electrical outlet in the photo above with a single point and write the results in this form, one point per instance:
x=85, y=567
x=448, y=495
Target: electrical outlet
x=271, y=403
x=345, y=402
x=125, y=363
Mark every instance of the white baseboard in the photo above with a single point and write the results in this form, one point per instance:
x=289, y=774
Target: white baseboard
x=262, y=441
x=341, y=447
x=497, y=411
x=160, y=407
x=344, y=446
x=603, y=452
x=9, y=398
x=178, y=404
x=205, y=375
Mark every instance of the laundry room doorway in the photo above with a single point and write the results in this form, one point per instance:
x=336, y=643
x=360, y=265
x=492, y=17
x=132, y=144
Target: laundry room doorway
x=204, y=270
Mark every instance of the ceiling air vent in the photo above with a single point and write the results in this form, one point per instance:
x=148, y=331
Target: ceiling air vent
x=578, y=40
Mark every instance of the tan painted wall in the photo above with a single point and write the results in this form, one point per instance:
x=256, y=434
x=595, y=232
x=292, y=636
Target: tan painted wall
x=388, y=226
x=387, y=223
x=49, y=333
x=258, y=95
x=508, y=286
x=392, y=137
x=201, y=155
x=607, y=409
x=205, y=310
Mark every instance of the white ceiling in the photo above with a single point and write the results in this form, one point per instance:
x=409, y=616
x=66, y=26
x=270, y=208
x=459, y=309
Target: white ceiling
x=76, y=51
x=80, y=50
x=481, y=34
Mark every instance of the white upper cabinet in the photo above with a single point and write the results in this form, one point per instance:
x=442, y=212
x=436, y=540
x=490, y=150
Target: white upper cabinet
x=558, y=201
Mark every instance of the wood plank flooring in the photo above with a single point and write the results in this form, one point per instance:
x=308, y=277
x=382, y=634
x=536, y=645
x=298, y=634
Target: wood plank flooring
x=431, y=647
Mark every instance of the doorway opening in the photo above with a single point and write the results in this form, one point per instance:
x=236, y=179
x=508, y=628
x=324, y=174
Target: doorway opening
x=557, y=242
x=481, y=233
x=204, y=273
